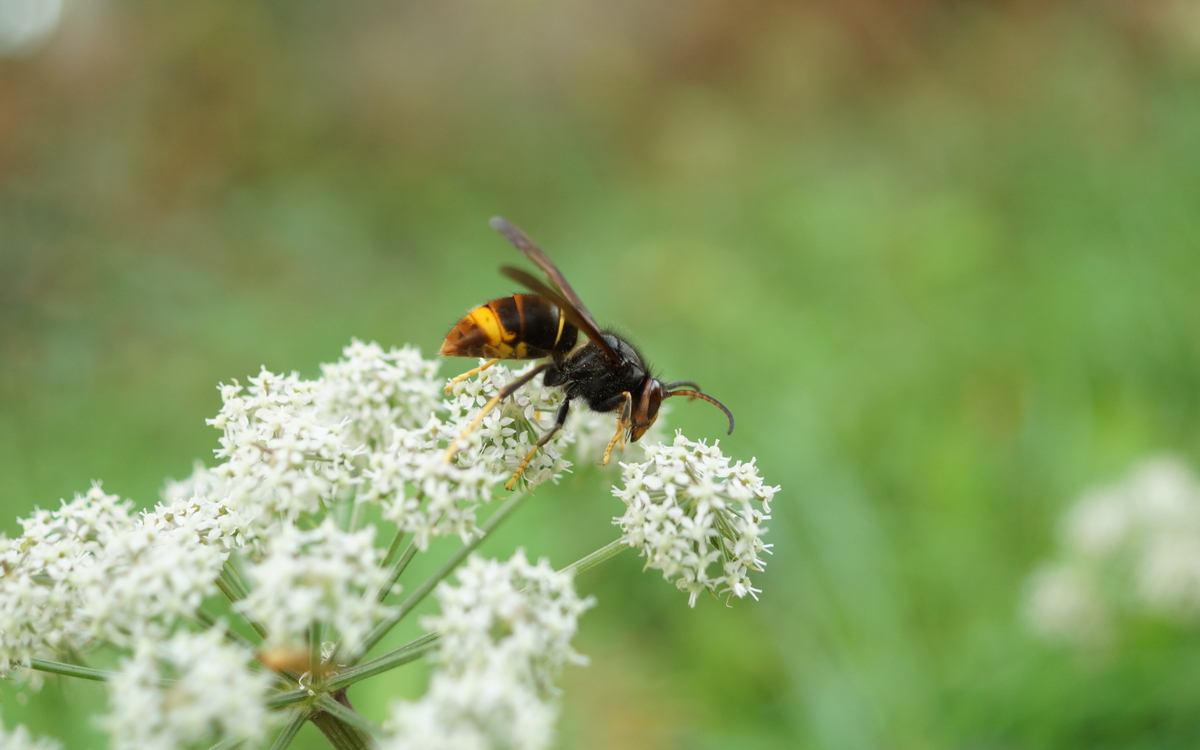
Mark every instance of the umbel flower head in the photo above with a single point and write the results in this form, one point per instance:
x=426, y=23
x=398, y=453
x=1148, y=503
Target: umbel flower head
x=322, y=494
x=506, y=633
x=695, y=517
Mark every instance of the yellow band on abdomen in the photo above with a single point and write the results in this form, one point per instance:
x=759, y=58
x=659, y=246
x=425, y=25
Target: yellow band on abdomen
x=488, y=324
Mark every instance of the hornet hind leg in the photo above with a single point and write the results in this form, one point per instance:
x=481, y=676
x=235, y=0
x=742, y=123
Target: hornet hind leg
x=558, y=425
x=504, y=393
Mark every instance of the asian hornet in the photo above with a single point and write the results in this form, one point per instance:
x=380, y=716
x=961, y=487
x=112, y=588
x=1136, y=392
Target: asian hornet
x=601, y=369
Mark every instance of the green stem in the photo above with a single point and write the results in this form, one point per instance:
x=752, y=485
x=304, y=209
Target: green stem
x=418, y=647
x=410, y=651
x=291, y=697
x=394, y=547
x=314, y=645
x=350, y=716
x=234, y=581
x=397, y=570
x=607, y=552
x=422, y=591
x=336, y=724
x=207, y=621
x=230, y=584
x=70, y=670
x=288, y=733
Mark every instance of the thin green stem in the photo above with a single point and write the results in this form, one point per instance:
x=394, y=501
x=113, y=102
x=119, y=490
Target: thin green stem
x=422, y=591
x=314, y=645
x=206, y=621
x=223, y=585
x=231, y=585
x=394, y=547
x=234, y=581
x=418, y=647
x=339, y=724
x=288, y=733
x=607, y=552
x=290, y=698
x=397, y=570
x=70, y=670
x=410, y=651
x=350, y=716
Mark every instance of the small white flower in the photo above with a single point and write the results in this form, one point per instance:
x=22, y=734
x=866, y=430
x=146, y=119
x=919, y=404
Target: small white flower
x=321, y=576
x=421, y=492
x=1130, y=547
x=529, y=612
x=40, y=598
x=144, y=580
x=20, y=739
x=485, y=709
x=1099, y=524
x=1061, y=604
x=284, y=455
x=1167, y=578
x=200, y=505
x=192, y=688
x=693, y=516
x=505, y=634
x=508, y=432
x=377, y=391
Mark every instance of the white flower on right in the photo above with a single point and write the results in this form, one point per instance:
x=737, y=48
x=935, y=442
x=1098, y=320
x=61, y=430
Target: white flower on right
x=693, y=516
x=1132, y=546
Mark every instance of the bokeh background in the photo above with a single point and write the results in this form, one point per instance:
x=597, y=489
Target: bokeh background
x=940, y=258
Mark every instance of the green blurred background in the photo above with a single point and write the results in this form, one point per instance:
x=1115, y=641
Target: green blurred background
x=940, y=258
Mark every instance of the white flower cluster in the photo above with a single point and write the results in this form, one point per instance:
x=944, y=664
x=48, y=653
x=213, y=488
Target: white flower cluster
x=325, y=575
x=505, y=636
x=192, y=688
x=376, y=391
x=1131, y=547
x=509, y=432
x=20, y=739
x=689, y=510
x=284, y=526
x=282, y=454
x=421, y=492
x=91, y=571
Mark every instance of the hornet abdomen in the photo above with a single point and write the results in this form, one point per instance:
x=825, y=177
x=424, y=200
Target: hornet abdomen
x=523, y=326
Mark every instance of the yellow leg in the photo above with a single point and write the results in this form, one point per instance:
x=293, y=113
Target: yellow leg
x=622, y=427
x=504, y=393
x=453, y=448
x=469, y=373
x=512, y=481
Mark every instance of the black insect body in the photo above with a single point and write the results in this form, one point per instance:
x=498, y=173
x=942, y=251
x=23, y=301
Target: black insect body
x=602, y=370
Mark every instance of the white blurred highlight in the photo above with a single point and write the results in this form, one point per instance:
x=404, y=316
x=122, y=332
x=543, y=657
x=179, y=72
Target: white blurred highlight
x=1132, y=548
x=26, y=24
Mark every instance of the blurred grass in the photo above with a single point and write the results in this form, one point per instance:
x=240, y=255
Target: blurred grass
x=940, y=260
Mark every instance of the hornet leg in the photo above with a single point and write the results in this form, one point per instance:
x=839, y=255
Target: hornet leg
x=504, y=393
x=558, y=425
x=469, y=373
x=623, y=422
